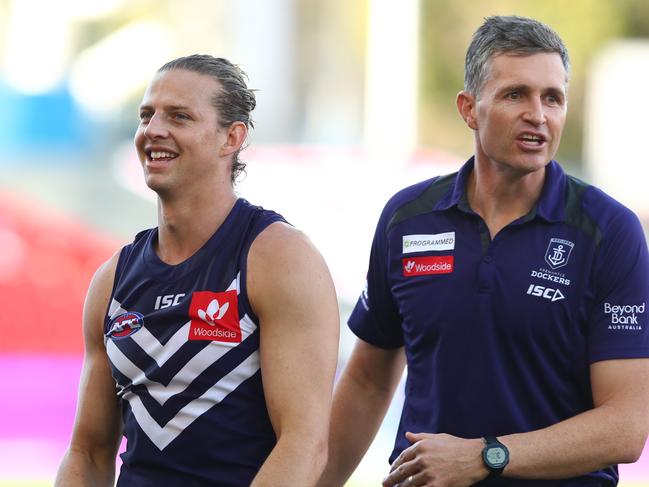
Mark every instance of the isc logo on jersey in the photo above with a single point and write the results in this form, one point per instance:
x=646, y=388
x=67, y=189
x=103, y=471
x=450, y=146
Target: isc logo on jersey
x=214, y=316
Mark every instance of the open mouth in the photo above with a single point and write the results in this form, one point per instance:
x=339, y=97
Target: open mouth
x=161, y=156
x=532, y=139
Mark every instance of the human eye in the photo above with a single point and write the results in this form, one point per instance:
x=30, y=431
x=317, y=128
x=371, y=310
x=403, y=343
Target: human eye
x=145, y=116
x=181, y=116
x=513, y=95
x=554, y=99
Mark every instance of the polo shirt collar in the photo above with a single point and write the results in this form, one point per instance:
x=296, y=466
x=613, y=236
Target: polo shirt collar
x=549, y=207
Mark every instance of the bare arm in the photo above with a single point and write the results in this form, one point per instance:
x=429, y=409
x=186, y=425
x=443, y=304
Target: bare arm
x=614, y=431
x=362, y=397
x=292, y=293
x=90, y=459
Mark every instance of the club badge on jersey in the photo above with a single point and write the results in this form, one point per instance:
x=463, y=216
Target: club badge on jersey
x=125, y=325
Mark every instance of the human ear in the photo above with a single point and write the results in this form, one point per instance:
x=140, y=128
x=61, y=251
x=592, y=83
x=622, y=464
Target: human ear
x=466, y=106
x=235, y=137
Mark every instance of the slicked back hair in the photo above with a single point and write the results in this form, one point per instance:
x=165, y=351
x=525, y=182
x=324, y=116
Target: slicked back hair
x=233, y=100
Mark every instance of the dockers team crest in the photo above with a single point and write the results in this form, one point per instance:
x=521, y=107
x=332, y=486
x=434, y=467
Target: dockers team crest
x=558, y=252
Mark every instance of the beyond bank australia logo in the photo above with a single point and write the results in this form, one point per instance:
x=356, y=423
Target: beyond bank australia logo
x=558, y=252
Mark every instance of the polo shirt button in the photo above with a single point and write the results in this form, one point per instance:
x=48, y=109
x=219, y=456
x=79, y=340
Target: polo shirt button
x=488, y=259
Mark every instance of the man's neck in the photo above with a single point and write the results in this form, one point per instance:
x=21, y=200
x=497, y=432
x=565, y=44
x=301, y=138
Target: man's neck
x=185, y=224
x=500, y=197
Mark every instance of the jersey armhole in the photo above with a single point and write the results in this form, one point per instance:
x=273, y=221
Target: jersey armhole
x=121, y=263
x=259, y=227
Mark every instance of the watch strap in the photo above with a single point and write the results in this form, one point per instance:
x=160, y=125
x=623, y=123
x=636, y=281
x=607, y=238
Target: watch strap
x=490, y=442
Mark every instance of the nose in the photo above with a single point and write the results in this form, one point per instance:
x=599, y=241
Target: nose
x=155, y=128
x=535, y=112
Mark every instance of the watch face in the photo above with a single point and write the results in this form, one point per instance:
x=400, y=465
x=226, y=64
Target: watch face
x=496, y=456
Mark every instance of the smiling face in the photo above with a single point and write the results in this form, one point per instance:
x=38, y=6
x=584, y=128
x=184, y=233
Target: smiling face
x=520, y=113
x=179, y=140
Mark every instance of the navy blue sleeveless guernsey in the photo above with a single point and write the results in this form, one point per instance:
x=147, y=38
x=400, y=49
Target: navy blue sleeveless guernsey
x=183, y=345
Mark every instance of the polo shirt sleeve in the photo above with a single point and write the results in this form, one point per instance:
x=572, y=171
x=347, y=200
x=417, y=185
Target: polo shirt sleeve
x=619, y=325
x=375, y=318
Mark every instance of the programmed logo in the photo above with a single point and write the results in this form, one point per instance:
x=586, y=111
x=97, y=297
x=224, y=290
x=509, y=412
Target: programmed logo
x=125, y=325
x=558, y=252
x=428, y=242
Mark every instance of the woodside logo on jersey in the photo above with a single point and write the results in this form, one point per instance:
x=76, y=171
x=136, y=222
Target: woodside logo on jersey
x=421, y=266
x=214, y=316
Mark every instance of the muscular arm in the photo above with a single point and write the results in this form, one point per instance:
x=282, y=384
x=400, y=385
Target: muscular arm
x=90, y=459
x=292, y=293
x=614, y=431
x=362, y=397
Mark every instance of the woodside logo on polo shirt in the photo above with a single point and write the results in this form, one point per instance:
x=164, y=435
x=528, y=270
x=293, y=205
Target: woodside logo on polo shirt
x=432, y=264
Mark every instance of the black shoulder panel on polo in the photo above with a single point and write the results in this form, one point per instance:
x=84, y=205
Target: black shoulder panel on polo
x=575, y=216
x=425, y=202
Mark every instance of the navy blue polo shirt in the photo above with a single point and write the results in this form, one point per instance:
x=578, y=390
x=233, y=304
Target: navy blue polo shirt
x=499, y=334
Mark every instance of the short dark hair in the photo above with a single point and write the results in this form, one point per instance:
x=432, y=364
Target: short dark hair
x=233, y=101
x=508, y=34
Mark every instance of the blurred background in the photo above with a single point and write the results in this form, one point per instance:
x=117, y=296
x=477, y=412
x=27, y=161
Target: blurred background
x=356, y=99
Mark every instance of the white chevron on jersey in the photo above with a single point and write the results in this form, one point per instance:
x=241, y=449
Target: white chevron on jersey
x=161, y=436
x=115, y=309
x=156, y=350
x=194, y=366
x=235, y=284
x=161, y=353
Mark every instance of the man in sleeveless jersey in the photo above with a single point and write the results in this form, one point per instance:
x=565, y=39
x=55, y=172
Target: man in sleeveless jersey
x=517, y=296
x=211, y=340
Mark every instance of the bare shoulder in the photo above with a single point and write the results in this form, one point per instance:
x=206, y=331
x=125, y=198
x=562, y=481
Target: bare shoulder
x=105, y=274
x=284, y=261
x=280, y=240
x=98, y=295
x=102, y=282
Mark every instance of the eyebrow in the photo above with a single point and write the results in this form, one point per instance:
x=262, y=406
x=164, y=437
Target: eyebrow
x=507, y=89
x=170, y=108
x=526, y=88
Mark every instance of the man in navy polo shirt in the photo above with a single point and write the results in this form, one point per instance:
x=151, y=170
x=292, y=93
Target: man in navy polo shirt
x=517, y=296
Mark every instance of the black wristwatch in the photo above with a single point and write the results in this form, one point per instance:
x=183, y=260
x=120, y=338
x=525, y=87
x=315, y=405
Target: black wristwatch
x=495, y=456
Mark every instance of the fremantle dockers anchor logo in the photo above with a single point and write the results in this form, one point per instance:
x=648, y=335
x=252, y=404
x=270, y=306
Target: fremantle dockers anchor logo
x=558, y=252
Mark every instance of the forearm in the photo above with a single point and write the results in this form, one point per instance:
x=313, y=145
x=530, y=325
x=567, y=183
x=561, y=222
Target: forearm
x=296, y=461
x=357, y=411
x=587, y=442
x=81, y=469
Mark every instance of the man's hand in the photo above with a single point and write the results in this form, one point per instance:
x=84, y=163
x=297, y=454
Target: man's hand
x=437, y=460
